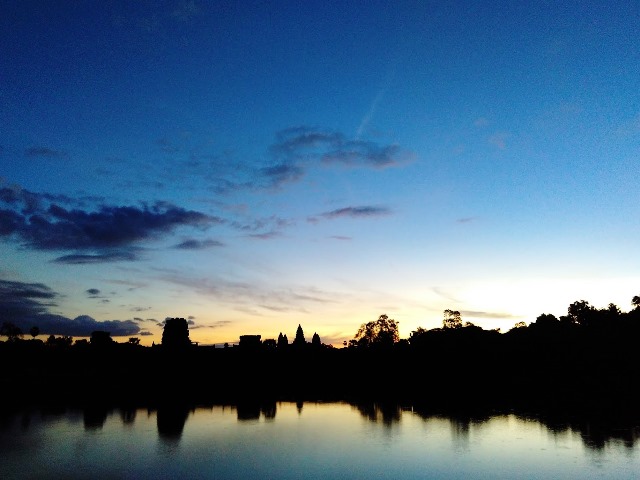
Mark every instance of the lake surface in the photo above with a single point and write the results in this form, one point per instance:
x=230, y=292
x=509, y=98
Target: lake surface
x=310, y=440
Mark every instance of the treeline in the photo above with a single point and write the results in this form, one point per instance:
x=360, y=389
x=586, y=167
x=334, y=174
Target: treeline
x=585, y=359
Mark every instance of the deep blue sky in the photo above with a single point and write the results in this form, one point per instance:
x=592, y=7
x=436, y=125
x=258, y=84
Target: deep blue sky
x=256, y=165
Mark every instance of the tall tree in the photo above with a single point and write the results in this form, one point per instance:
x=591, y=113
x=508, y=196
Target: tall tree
x=581, y=312
x=380, y=333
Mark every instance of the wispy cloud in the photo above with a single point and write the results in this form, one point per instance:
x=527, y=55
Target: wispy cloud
x=364, y=211
x=299, y=148
x=193, y=244
x=289, y=159
x=252, y=298
x=264, y=228
x=281, y=173
x=140, y=309
x=265, y=235
x=90, y=259
x=45, y=152
x=499, y=140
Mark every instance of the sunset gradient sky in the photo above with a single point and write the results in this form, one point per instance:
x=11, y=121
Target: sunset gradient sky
x=253, y=166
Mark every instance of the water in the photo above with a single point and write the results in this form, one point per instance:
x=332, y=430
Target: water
x=310, y=440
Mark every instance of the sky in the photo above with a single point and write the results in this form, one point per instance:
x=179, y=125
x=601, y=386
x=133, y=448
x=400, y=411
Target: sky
x=252, y=166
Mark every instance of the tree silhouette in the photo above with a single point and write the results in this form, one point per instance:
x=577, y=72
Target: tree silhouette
x=519, y=326
x=452, y=319
x=315, y=340
x=62, y=341
x=546, y=320
x=382, y=333
x=35, y=331
x=10, y=331
x=176, y=333
x=581, y=312
x=635, y=301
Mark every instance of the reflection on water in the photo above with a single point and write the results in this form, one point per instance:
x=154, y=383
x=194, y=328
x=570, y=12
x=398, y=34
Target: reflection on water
x=128, y=415
x=313, y=440
x=387, y=413
x=94, y=417
x=171, y=420
x=251, y=411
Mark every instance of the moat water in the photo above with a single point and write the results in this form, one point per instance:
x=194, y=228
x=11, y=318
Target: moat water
x=310, y=440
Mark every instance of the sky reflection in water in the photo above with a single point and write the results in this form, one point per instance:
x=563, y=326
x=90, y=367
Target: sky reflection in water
x=288, y=440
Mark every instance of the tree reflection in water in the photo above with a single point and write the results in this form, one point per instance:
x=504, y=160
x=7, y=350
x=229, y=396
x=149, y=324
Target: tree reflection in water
x=387, y=413
x=251, y=411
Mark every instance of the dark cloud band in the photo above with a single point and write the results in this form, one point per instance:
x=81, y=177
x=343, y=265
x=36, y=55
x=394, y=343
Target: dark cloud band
x=22, y=304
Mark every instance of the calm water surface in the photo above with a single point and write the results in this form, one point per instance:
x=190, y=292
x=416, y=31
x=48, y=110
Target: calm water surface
x=288, y=440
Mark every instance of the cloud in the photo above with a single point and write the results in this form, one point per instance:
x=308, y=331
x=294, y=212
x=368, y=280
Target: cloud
x=466, y=219
x=357, y=152
x=299, y=148
x=140, y=309
x=109, y=232
x=192, y=244
x=84, y=325
x=268, y=223
x=186, y=11
x=364, y=211
x=24, y=201
x=293, y=153
x=282, y=173
x=19, y=299
x=499, y=140
x=263, y=228
x=220, y=323
x=83, y=259
x=27, y=305
x=303, y=143
x=45, y=152
x=145, y=334
x=265, y=235
x=93, y=292
x=340, y=237
x=247, y=297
